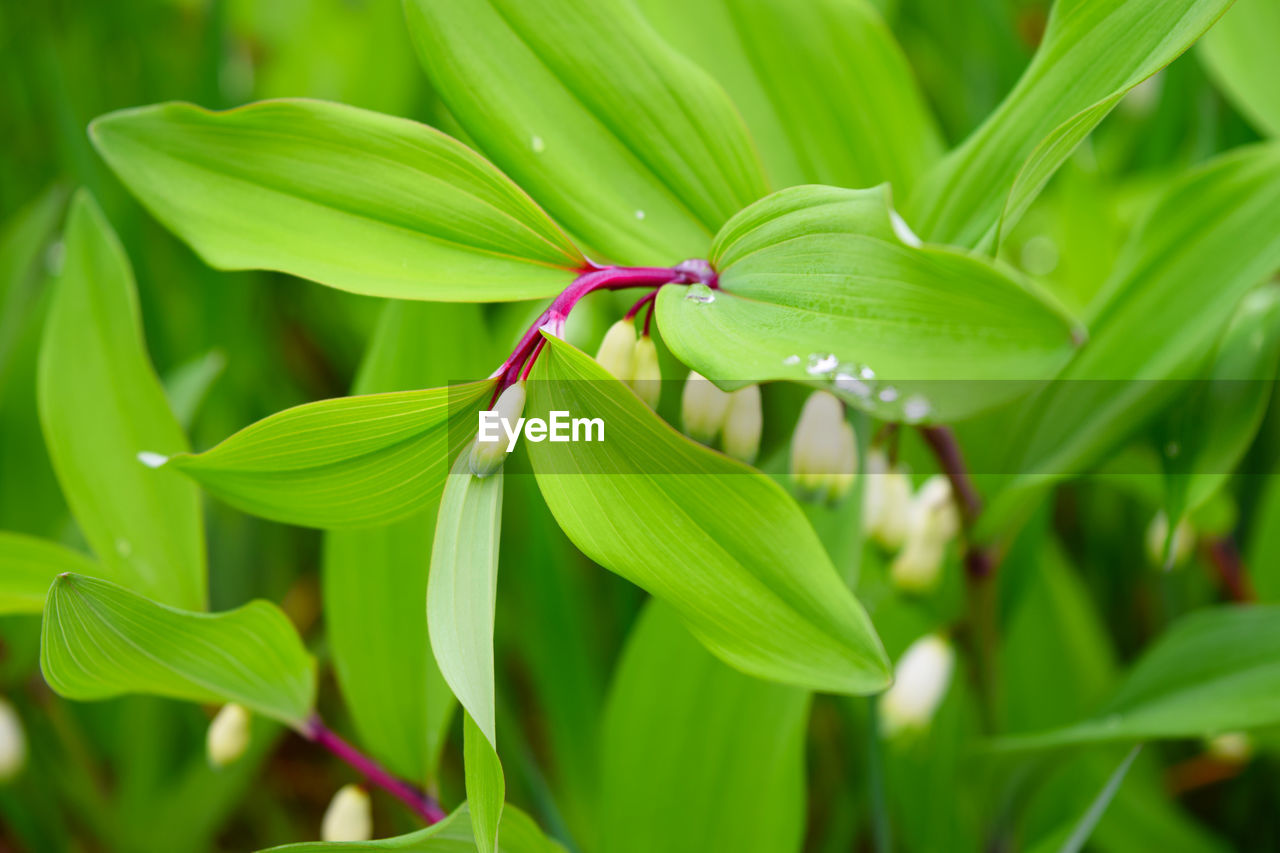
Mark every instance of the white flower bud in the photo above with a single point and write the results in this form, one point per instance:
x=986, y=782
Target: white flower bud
x=348, y=817
x=617, y=350
x=703, y=408
x=13, y=742
x=646, y=377
x=488, y=456
x=228, y=735
x=933, y=511
x=886, y=504
x=1231, y=747
x=743, y=424
x=1184, y=541
x=824, y=449
x=920, y=681
x=917, y=568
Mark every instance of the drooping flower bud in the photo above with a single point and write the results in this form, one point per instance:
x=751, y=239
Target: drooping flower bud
x=348, y=817
x=920, y=681
x=933, y=511
x=1184, y=541
x=743, y=424
x=1231, y=747
x=932, y=521
x=917, y=567
x=13, y=742
x=703, y=408
x=824, y=450
x=228, y=735
x=646, y=377
x=489, y=452
x=886, y=503
x=617, y=350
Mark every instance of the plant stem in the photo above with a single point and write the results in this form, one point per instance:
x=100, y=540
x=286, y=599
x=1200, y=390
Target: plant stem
x=980, y=566
x=880, y=824
x=694, y=271
x=422, y=803
x=1225, y=558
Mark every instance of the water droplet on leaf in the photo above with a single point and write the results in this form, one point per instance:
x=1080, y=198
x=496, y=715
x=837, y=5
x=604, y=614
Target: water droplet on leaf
x=700, y=294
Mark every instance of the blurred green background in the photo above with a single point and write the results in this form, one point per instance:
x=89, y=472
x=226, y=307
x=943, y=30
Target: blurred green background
x=130, y=775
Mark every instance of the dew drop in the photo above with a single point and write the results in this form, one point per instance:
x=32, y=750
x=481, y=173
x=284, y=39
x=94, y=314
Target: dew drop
x=537, y=144
x=700, y=294
x=916, y=409
x=866, y=372
x=888, y=395
x=821, y=364
x=639, y=214
x=791, y=360
x=152, y=460
x=852, y=385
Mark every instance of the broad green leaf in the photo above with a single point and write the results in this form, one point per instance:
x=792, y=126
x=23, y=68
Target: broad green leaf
x=100, y=406
x=1073, y=838
x=451, y=835
x=346, y=462
x=101, y=640
x=375, y=578
x=1210, y=432
x=1093, y=52
x=1209, y=239
x=486, y=788
x=721, y=542
x=1240, y=54
x=349, y=198
x=697, y=756
x=1213, y=671
x=28, y=565
x=631, y=146
x=817, y=285
x=824, y=88
x=462, y=589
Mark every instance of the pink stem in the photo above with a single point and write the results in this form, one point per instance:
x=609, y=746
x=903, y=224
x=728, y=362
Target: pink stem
x=422, y=803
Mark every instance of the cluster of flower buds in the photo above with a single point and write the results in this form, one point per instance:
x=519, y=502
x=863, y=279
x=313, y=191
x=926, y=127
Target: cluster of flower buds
x=488, y=456
x=228, y=735
x=920, y=682
x=736, y=417
x=1179, y=548
x=632, y=360
x=932, y=522
x=13, y=742
x=348, y=817
x=1231, y=747
x=824, y=450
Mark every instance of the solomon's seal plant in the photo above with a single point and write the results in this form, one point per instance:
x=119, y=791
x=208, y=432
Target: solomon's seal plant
x=750, y=212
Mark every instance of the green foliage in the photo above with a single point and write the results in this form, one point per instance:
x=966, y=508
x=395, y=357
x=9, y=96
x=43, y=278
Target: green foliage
x=452, y=835
x=28, y=565
x=1238, y=53
x=101, y=640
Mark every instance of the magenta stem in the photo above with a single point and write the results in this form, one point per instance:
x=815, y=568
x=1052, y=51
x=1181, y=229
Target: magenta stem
x=422, y=803
x=594, y=278
x=640, y=303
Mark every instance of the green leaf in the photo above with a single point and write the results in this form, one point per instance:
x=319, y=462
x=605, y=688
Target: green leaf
x=1073, y=839
x=100, y=640
x=698, y=756
x=1213, y=671
x=28, y=565
x=100, y=406
x=823, y=86
x=345, y=197
x=1093, y=52
x=187, y=385
x=1209, y=433
x=817, y=286
x=463, y=586
x=1240, y=54
x=486, y=788
x=631, y=146
x=24, y=238
x=722, y=543
x=1209, y=239
x=346, y=462
x=451, y=835
x=375, y=578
